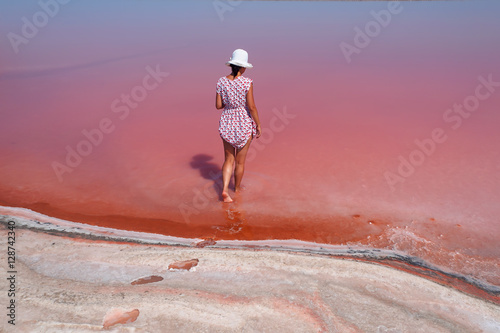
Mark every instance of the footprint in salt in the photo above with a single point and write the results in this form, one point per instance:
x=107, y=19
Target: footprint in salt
x=119, y=316
x=147, y=279
x=183, y=265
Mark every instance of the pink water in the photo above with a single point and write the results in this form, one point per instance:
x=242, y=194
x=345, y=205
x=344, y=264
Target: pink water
x=328, y=167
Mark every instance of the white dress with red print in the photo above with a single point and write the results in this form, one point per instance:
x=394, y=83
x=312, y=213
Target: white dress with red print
x=236, y=125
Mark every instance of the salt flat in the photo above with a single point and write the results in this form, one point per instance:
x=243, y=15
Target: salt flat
x=69, y=284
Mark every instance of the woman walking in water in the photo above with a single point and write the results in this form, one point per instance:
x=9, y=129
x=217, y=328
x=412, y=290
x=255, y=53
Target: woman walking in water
x=239, y=122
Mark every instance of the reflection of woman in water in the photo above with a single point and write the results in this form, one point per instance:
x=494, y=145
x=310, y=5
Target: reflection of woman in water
x=239, y=122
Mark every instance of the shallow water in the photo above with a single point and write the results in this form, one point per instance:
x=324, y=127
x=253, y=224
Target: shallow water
x=108, y=118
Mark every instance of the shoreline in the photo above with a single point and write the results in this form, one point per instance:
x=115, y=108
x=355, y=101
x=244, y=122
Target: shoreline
x=40, y=223
x=228, y=290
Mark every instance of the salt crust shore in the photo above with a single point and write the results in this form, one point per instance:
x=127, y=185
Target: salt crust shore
x=26, y=218
x=67, y=284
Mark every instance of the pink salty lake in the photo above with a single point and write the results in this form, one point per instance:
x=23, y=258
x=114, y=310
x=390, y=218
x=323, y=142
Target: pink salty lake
x=380, y=123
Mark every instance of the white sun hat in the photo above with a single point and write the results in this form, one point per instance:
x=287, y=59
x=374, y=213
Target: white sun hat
x=239, y=58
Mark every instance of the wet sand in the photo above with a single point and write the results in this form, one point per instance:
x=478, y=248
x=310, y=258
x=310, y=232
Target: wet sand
x=71, y=284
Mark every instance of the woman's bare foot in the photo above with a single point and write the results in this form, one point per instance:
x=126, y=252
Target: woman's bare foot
x=240, y=188
x=226, y=197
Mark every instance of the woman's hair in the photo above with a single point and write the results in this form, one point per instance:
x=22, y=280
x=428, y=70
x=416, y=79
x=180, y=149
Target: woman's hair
x=234, y=70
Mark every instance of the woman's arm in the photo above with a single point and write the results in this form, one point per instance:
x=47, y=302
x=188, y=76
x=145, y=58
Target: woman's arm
x=253, y=109
x=218, y=101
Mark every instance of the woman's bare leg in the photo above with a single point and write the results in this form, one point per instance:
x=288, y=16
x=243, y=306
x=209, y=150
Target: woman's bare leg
x=227, y=170
x=239, y=169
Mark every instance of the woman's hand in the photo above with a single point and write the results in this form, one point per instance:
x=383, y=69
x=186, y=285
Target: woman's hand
x=259, y=132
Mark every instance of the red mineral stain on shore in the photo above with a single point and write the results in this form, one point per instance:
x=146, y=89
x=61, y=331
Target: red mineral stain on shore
x=185, y=265
x=119, y=316
x=206, y=242
x=148, y=279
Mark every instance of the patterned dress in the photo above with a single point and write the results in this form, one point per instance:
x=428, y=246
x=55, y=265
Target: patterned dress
x=236, y=125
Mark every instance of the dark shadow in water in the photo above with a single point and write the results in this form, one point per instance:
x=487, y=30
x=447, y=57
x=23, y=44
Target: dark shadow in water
x=209, y=170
